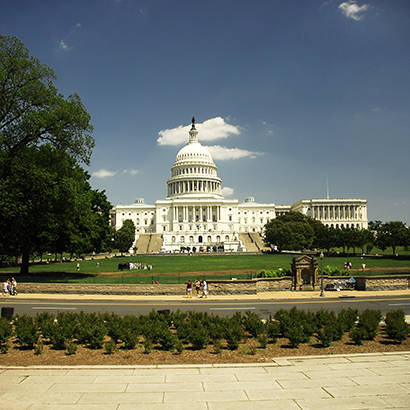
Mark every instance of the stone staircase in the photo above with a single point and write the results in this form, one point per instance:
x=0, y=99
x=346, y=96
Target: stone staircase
x=248, y=242
x=142, y=243
x=155, y=243
x=257, y=240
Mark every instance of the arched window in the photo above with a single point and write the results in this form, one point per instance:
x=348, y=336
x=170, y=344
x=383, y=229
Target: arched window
x=218, y=238
x=209, y=239
x=226, y=238
x=191, y=239
x=173, y=239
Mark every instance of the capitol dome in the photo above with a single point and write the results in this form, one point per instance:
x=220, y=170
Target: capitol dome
x=194, y=173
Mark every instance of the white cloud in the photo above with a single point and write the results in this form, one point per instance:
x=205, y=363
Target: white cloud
x=130, y=171
x=227, y=191
x=64, y=46
x=103, y=173
x=351, y=10
x=224, y=153
x=78, y=25
x=376, y=109
x=210, y=130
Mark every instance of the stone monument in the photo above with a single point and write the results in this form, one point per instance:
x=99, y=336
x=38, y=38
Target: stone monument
x=305, y=273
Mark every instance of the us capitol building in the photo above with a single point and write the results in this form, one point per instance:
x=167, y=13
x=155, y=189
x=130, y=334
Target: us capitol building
x=196, y=217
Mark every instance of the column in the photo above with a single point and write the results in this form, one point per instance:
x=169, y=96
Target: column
x=200, y=213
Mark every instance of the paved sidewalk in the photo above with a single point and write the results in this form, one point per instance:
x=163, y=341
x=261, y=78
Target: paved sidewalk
x=359, y=381
x=280, y=295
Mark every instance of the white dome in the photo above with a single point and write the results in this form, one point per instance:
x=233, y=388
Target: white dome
x=194, y=151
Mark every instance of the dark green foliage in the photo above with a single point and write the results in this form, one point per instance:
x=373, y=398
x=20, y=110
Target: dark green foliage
x=347, y=318
x=296, y=325
x=63, y=329
x=272, y=330
x=199, y=337
x=71, y=347
x=124, y=237
x=114, y=324
x=90, y=330
x=110, y=347
x=369, y=320
x=233, y=333
x=166, y=338
x=147, y=346
x=26, y=331
x=263, y=340
x=252, y=323
x=396, y=326
x=45, y=323
x=329, y=327
x=358, y=334
x=5, y=330
x=179, y=346
x=128, y=331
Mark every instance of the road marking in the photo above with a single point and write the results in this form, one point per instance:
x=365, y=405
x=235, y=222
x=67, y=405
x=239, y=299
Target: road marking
x=234, y=308
x=399, y=304
x=51, y=307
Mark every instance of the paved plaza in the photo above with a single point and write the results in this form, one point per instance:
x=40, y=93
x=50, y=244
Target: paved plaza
x=361, y=381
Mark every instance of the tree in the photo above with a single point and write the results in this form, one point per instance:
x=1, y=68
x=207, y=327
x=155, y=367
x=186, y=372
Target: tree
x=392, y=234
x=124, y=237
x=291, y=231
x=47, y=204
x=32, y=112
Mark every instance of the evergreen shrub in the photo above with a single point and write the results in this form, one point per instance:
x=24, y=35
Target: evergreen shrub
x=26, y=331
x=396, y=326
x=6, y=330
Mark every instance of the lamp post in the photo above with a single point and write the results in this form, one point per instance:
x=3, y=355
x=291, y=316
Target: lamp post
x=322, y=292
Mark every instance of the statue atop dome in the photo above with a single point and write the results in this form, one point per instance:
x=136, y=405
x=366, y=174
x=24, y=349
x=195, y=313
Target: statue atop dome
x=193, y=133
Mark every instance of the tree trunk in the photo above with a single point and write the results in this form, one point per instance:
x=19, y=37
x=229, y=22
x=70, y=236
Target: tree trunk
x=24, y=263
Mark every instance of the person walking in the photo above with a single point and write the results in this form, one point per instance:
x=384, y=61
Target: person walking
x=13, y=287
x=78, y=266
x=5, y=288
x=197, y=287
x=204, y=289
x=189, y=289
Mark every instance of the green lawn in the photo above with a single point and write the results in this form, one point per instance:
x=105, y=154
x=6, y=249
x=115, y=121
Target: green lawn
x=178, y=265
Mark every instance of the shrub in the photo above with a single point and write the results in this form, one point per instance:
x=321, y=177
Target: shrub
x=274, y=273
x=167, y=339
x=115, y=325
x=110, y=347
x=5, y=330
x=26, y=331
x=295, y=335
x=296, y=325
x=252, y=323
x=199, y=337
x=4, y=348
x=179, y=347
x=97, y=332
x=347, y=318
x=358, y=334
x=263, y=340
x=147, y=346
x=272, y=330
x=129, y=337
x=233, y=334
x=71, y=347
x=217, y=346
x=334, y=271
x=369, y=320
x=39, y=347
x=45, y=322
x=396, y=326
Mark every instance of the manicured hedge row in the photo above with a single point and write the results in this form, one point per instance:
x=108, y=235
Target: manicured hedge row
x=178, y=330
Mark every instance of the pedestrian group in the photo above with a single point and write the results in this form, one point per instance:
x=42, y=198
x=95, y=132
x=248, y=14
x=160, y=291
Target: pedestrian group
x=198, y=286
x=10, y=287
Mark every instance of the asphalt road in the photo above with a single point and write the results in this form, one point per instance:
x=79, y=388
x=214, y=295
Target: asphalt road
x=263, y=307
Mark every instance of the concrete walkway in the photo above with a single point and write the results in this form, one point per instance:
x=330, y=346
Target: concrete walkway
x=362, y=381
x=279, y=295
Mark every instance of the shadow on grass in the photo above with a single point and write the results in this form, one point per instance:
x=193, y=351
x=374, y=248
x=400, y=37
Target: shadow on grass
x=48, y=277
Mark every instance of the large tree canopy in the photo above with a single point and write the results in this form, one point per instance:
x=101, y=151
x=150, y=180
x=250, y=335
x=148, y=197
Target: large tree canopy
x=46, y=203
x=392, y=234
x=33, y=112
x=292, y=231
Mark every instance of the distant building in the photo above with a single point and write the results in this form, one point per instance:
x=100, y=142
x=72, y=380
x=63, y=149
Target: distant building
x=196, y=217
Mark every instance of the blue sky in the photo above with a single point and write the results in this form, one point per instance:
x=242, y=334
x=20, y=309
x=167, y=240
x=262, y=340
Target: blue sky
x=286, y=93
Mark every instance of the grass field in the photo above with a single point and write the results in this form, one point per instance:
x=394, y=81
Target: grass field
x=177, y=266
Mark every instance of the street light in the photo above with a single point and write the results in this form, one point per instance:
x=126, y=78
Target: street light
x=322, y=292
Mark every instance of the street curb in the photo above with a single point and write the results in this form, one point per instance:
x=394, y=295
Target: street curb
x=275, y=363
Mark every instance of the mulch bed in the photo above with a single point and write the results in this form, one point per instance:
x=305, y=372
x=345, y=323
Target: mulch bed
x=84, y=356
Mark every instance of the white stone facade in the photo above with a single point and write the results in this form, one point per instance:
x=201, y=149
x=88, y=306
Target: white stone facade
x=196, y=215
